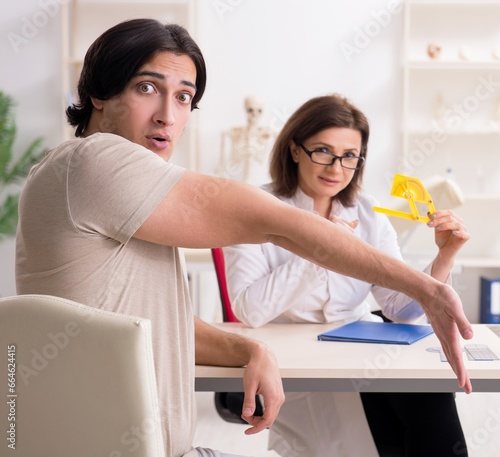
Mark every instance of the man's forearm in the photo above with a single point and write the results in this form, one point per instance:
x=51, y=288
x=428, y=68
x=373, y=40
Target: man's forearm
x=331, y=247
x=216, y=347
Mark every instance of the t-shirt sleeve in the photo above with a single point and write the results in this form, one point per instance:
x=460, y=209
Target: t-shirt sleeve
x=113, y=185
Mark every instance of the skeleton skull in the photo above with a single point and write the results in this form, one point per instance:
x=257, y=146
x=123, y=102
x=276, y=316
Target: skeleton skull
x=254, y=104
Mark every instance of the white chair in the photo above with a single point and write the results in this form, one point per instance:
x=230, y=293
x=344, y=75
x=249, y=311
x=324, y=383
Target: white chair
x=83, y=383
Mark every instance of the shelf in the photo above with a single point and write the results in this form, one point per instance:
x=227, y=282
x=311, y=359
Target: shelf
x=466, y=33
x=450, y=115
x=453, y=65
x=478, y=262
x=464, y=132
x=450, y=105
x=420, y=261
x=88, y=19
x=492, y=198
x=454, y=2
x=145, y=3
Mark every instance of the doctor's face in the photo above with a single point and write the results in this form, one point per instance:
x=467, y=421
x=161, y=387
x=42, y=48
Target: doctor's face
x=324, y=181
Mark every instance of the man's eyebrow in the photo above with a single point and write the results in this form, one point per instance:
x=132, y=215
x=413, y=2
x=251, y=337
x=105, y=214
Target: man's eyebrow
x=161, y=76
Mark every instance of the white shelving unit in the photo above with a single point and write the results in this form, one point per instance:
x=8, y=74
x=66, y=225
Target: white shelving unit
x=451, y=103
x=451, y=125
x=84, y=20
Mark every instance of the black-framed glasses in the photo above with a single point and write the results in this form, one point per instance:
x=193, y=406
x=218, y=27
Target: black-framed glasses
x=322, y=157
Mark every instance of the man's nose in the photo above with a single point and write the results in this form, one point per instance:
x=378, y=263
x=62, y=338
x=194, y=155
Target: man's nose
x=164, y=115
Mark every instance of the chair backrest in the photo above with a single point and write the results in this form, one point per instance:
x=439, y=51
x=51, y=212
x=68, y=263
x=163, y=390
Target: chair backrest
x=80, y=381
x=220, y=270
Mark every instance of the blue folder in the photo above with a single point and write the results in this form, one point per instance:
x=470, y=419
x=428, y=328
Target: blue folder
x=377, y=332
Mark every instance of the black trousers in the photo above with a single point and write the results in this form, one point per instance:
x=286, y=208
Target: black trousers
x=415, y=424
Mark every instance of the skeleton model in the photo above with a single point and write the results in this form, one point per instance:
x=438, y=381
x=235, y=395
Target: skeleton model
x=244, y=150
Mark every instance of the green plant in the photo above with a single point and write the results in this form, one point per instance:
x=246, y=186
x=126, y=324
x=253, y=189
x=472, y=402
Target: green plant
x=12, y=171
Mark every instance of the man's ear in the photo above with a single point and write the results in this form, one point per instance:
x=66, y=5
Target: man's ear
x=98, y=104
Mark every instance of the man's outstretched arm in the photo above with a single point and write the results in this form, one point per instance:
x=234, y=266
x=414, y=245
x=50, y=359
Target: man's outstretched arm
x=204, y=211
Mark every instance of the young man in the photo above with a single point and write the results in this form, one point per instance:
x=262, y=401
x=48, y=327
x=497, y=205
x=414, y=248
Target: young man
x=102, y=216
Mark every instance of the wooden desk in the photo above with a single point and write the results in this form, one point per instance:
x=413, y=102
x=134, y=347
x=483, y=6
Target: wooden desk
x=309, y=365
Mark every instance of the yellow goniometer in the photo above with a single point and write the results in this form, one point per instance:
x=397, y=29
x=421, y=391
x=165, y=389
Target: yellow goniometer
x=414, y=192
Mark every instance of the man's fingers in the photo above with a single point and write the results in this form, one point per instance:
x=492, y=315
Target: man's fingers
x=467, y=386
x=461, y=372
x=456, y=361
x=260, y=423
x=248, y=405
x=464, y=327
x=465, y=330
x=450, y=343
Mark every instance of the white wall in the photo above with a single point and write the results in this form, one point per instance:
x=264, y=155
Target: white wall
x=31, y=63
x=285, y=50
x=288, y=51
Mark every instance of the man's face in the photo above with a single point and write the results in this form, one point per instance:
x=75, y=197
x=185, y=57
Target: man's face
x=154, y=107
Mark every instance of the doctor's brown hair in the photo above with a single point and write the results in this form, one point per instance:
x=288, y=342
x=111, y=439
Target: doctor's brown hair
x=314, y=116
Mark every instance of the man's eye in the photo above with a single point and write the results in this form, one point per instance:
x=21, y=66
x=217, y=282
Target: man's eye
x=146, y=88
x=185, y=98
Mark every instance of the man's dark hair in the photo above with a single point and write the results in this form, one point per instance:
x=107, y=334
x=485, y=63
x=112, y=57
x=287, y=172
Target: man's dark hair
x=116, y=56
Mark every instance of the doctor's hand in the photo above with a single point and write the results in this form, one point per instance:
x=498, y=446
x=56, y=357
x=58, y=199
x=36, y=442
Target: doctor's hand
x=349, y=226
x=450, y=233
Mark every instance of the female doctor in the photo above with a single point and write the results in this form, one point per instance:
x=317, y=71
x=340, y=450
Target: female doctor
x=317, y=164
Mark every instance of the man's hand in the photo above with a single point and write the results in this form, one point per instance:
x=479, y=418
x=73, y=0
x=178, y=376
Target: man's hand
x=262, y=377
x=449, y=322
